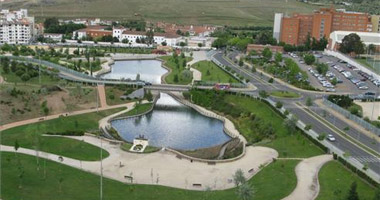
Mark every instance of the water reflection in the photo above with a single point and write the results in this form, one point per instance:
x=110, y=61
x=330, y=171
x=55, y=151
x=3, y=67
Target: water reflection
x=149, y=70
x=173, y=125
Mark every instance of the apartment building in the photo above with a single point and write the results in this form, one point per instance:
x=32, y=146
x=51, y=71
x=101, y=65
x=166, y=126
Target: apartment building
x=375, y=19
x=295, y=29
x=16, y=27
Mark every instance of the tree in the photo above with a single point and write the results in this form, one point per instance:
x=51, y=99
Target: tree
x=245, y=192
x=182, y=44
x=241, y=62
x=125, y=41
x=51, y=22
x=377, y=195
x=352, y=193
x=309, y=101
x=239, y=178
x=291, y=124
x=267, y=54
x=25, y=77
x=149, y=96
x=149, y=37
x=164, y=43
x=279, y=104
x=322, y=68
x=16, y=145
x=175, y=79
x=278, y=57
x=263, y=94
x=309, y=59
x=352, y=43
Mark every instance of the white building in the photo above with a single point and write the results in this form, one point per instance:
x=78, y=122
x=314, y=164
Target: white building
x=367, y=38
x=277, y=26
x=16, y=27
x=134, y=36
x=53, y=36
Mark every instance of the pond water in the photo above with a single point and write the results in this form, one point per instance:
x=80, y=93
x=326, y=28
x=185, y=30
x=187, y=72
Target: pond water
x=172, y=124
x=149, y=70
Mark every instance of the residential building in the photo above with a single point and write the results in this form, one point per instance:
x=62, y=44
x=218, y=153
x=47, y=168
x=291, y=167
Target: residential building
x=367, y=38
x=16, y=27
x=92, y=31
x=296, y=28
x=53, y=36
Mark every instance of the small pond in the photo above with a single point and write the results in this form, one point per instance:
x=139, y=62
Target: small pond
x=172, y=124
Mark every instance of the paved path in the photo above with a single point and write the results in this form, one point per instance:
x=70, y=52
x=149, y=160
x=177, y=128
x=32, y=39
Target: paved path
x=102, y=96
x=1, y=79
x=197, y=56
x=307, y=178
x=163, y=168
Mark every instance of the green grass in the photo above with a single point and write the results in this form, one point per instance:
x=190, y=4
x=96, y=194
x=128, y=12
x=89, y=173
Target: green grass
x=364, y=62
x=242, y=13
x=175, y=70
x=335, y=181
x=285, y=94
x=79, y=185
x=288, y=145
x=212, y=73
x=116, y=93
x=29, y=136
x=140, y=108
x=45, y=79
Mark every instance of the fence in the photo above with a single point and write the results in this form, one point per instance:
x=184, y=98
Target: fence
x=333, y=149
x=358, y=120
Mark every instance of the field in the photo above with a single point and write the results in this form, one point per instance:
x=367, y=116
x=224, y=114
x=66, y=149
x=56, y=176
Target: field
x=219, y=12
x=212, y=73
x=335, y=181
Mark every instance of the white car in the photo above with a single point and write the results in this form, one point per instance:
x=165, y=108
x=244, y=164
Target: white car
x=331, y=138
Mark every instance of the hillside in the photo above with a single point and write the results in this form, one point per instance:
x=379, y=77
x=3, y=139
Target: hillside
x=220, y=12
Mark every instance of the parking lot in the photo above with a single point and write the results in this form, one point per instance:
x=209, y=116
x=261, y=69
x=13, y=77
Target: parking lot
x=349, y=79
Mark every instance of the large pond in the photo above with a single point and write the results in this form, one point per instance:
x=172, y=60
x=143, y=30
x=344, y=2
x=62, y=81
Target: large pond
x=149, y=70
x=171, y=124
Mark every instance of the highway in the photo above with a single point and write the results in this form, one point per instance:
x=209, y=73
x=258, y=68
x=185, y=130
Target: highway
x=261, y=82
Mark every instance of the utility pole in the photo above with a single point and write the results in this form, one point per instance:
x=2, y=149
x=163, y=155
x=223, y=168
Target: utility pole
x=101, y=169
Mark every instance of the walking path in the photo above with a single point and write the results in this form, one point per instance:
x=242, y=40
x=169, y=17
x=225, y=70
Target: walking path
x=34, y=120
x=1, y=80
x=102, y=96
x=307, y=178
x=197, y=56
x=162, y=168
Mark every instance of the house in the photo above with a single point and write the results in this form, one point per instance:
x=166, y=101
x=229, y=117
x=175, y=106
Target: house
x=53, y=36
x=91, y=31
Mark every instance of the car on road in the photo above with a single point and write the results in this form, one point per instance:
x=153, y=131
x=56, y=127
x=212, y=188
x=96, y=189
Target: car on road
x=331, y=138
x=330, y=90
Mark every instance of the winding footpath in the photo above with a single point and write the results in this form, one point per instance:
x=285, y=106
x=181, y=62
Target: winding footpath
x=162, y=167
x=307, y=178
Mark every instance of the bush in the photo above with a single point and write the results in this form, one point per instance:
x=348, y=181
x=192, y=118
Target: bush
x=67, y=133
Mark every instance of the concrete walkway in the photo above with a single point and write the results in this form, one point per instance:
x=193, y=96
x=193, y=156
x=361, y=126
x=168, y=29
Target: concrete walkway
x=102, y=96
x=163, y=168
x=307, y=178
x=197, y=56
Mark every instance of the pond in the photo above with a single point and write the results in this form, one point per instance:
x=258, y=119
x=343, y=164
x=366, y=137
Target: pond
x=172, y=124
x=149, y=70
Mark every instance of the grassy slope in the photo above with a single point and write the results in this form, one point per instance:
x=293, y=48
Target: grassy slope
x=141, y=108
x=216, y=74
x=45, y=79
x=335, y=181
x=242, y=12
x=174, y=70
x=294, y=145
x=30, y=135
x=82, y=185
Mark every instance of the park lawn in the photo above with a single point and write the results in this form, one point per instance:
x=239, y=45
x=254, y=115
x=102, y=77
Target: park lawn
x=287, y=145
x=140, y=108
x=335, y=181
x=285, y=94
x=175, y=71
x=212, y=73
x=29, y=136
x=77, y=184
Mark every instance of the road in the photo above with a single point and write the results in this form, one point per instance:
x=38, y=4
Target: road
x=261, y=82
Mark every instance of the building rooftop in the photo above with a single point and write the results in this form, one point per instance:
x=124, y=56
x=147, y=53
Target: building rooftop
x=366, y=37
